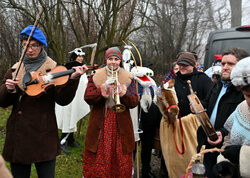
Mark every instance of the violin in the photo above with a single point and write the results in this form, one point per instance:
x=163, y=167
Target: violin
x=58, y=76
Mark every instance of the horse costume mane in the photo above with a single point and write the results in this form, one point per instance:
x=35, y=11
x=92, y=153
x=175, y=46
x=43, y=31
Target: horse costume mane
x=167, y=99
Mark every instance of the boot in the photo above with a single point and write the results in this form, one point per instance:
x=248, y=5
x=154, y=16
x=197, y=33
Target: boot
x=74, y=145
x=64, y=149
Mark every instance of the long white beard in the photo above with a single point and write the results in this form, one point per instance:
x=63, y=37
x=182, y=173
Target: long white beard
x=146, y=99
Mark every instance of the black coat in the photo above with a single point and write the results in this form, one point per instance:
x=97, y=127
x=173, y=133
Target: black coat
x=228, y=103
x=201, y=84
x=226, y=106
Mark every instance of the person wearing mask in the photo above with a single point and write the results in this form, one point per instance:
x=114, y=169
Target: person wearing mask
x=31, y=130
x=220, y=102
x=109, y=141
x=68, y=116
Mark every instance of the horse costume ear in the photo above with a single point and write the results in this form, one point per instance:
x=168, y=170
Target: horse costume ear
x=171, y=83
x=166, y=85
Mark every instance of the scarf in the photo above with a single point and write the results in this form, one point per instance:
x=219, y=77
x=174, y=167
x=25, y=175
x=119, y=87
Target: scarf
x=238, y=124
x=32, y=64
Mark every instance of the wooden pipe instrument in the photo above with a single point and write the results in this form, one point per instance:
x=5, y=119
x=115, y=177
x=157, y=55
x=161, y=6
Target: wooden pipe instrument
x=201, y=114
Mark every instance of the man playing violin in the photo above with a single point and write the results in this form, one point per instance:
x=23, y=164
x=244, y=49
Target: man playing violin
x=31, y=134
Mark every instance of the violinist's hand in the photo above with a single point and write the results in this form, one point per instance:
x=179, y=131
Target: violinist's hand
x=79, y=71
x=216, y=142
x=11, y=85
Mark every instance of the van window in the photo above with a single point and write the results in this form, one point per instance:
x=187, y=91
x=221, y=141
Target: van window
x=220, y=40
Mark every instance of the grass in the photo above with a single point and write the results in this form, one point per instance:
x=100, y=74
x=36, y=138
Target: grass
x=67, y=166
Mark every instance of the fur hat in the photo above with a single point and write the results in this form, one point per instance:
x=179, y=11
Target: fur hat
x=186, y=58
x=240, y=75
x=38, y=34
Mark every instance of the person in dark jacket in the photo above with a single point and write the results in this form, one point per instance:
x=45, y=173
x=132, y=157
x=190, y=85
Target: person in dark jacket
x=220, y=102
x=149, y=123
x=68, y=116
x=31, y=134
x=200, y=82
x=150, y=117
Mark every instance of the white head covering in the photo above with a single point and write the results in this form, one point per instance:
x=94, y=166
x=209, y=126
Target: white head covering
x=240, y=75
x=213, y=70
x=78, y=52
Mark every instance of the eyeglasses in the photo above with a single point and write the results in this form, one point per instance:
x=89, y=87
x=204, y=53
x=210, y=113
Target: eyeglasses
x=33, y=46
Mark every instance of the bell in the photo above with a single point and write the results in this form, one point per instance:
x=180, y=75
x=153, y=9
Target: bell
x=198, y=170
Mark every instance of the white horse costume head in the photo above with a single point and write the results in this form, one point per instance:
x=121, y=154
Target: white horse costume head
x=142, y=75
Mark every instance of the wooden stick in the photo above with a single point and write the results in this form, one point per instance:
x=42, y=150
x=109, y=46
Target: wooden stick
x=137, y=160
x=28, y=41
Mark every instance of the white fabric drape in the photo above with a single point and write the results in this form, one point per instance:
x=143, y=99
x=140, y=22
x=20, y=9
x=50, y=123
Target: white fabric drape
x=68, y=116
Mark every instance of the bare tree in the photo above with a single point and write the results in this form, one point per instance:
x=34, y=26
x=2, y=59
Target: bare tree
x=68, y=24
x=159, y=28
x=236, y=12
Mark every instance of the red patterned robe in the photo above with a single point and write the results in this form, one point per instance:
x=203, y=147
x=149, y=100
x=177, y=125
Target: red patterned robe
x=109, y=141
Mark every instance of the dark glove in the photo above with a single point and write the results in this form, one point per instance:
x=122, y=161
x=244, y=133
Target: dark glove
x=232, y=153
x=224, y=169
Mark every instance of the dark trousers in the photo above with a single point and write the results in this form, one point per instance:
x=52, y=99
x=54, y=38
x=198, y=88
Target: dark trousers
x=147, y=142
x=44, y=169
x=70, y=138
x=210, y=159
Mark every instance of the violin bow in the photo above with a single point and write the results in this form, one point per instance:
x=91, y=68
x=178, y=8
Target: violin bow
x=28, y=41
x=93, y=54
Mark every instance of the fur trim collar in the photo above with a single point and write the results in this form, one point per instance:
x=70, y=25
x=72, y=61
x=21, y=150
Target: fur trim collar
x=124, y=77
x=48, y=65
